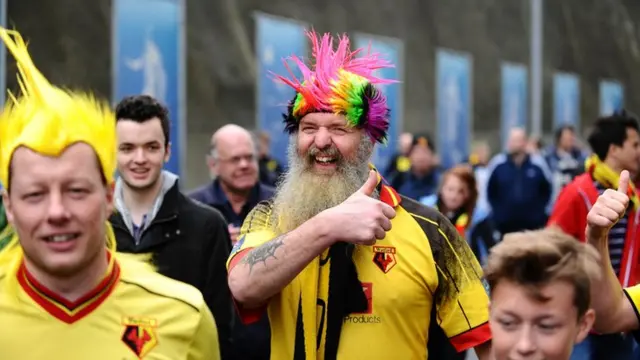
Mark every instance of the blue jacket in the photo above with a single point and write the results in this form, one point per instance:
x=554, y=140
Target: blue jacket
x=411, y=186
x=519, y=195
x=211, y=194
x=482, y=234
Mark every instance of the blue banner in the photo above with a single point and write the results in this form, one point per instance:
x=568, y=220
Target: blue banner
x=148, y=58
x=392, y=50
x=611, y=97
x=514, y=99
x=276, y=39
x=453, y=106
x=566, y=100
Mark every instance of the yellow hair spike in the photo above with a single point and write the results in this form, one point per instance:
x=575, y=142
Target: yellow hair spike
x=47, y=119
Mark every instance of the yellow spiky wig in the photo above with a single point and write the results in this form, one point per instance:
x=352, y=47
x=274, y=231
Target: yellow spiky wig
x=48, y=119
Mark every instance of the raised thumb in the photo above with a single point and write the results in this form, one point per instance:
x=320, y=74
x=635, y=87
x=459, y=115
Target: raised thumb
x=371, y=183
x=623, y=182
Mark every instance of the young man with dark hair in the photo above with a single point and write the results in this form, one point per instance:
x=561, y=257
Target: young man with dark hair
x=540, y=283
x=189, y=241
x=143, y=108
x=616, y=146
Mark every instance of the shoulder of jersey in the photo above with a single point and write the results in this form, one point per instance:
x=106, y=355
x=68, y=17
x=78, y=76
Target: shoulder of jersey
x=260, y=215
x=264, y=205
x=159, y=285
x=414, y=207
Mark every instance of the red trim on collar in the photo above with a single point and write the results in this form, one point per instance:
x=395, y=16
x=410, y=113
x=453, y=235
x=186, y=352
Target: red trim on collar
x=63, y=309
x=388, y=195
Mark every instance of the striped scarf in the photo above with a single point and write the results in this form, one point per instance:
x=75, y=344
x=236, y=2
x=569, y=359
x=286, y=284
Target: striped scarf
x=462, y=222
x=603, y=174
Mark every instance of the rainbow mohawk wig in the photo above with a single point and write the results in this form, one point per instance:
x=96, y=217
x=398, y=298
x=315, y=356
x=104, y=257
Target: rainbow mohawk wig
x=341, y=83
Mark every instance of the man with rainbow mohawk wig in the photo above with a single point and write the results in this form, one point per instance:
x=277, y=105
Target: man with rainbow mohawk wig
x=64, y=291
x=344, y=266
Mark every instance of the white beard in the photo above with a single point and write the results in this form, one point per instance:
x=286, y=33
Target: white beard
x=303, y=194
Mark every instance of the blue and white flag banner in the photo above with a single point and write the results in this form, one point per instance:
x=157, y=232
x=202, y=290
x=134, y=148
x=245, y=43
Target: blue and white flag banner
x=566, y=100
x=392, y=50
x=454, y=71
x=514, y=99
x=276, y=39
x=611, y=97
x=148, y=58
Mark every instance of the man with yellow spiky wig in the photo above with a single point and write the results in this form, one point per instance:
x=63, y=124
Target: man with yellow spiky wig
x=64, y=291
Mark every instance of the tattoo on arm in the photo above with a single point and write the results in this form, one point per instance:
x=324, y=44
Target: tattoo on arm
x=263, y=253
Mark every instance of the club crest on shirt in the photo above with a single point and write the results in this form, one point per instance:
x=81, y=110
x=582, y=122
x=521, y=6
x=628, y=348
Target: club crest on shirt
x=384, y=257
x=139, y=335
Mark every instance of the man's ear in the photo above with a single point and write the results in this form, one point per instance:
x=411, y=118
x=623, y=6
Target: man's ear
x=110, y=198
x=211, y=161
x=585, y=323
x=167, y=153
x=8, y=208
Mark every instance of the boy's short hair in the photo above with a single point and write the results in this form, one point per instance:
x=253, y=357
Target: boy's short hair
x=534, y=259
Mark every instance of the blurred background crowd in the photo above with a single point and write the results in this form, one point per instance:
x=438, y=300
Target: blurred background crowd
x=490, y=113
x=211, y=61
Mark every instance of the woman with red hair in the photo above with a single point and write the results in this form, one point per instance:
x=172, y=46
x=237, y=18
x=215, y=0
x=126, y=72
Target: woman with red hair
x=456, y=199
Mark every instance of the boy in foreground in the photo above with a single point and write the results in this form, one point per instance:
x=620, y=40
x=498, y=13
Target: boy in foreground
x=540, y=285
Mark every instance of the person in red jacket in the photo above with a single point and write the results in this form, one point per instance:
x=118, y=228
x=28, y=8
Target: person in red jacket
x=615, y=142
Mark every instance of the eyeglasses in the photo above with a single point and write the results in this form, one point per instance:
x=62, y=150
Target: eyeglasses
x=236, y=160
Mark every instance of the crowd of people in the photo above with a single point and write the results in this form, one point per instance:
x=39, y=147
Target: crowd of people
x=529, y=255
x=486, y=197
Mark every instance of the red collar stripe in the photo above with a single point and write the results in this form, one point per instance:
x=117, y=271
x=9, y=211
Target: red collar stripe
x=65, y=310
x=388, y=195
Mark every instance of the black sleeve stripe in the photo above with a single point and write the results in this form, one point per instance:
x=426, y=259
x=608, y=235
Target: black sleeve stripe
x=455, y=263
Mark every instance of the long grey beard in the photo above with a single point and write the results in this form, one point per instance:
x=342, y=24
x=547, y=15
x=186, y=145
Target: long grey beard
x=303, y=194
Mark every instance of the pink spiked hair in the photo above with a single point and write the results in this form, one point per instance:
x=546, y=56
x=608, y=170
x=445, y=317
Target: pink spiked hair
x=341, y=83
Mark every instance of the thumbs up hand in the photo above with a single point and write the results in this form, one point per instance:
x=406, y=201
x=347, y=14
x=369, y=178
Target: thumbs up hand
x=370, y=185
x=360, y=219
x=608, y=209
x=623, y=182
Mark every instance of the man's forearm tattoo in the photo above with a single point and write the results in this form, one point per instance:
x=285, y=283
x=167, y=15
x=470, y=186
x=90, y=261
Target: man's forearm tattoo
x=262, y=253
